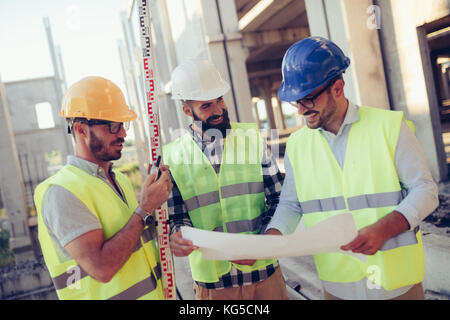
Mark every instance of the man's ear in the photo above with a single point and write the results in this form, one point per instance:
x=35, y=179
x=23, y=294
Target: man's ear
x=338, y=88
x=187, y=110
x=79, y=129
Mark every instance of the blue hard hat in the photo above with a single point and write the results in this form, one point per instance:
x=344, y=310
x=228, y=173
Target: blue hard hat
x=309, y=64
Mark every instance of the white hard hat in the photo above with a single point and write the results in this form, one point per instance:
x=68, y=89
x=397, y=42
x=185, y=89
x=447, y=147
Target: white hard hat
x=197, y=80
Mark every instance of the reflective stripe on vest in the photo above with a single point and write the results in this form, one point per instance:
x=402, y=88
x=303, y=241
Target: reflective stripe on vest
x=407, y=238
x=141, y=288
x=233, y=190
x=378, y=200
x=242, y=189
x=229, y=191
x=202, y=200
x=71, y=282
x=367, y=186
x=322, y=205
x=231, y=201
x=64, y=280
x=138, y=290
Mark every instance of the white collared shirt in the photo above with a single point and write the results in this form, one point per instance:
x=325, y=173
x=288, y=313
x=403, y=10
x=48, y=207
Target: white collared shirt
x=413, y=172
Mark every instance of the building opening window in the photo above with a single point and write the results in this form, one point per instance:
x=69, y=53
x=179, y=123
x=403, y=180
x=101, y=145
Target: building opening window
x=44, y=115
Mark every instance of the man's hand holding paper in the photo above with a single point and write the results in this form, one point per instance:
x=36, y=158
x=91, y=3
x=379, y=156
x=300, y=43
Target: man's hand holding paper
x=326, y=236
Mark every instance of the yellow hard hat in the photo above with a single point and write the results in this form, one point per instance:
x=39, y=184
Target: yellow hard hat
x=96, y=98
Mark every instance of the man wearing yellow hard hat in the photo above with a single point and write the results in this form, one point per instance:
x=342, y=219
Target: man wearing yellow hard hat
x=95, y=237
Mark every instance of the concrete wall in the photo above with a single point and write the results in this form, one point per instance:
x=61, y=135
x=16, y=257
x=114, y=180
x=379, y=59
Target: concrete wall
x=11, y=186
x=386, y=71
x=201, y=29
x=325, y=18
x=227, y=52
x=405, y=73
x=346, y=24
x=22, y=147
x=28, y=281
x=22, y=97
x=437, y=259
x=33, y=143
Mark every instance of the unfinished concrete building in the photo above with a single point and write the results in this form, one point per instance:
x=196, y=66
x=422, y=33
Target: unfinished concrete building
x=400, y=61
x=33, y=145
x=38, y=146
x=399, y=53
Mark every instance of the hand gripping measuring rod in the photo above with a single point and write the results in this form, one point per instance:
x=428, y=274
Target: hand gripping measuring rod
x=167, y=267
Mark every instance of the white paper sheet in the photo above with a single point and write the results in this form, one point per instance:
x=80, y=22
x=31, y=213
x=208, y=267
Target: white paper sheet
x=326, y=236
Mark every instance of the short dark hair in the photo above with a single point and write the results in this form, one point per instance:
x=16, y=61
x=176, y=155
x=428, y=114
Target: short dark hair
x=186, y=102
x=339, y=77
x=71, y=122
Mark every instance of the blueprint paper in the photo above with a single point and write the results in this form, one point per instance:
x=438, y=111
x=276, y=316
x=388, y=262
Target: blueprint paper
x=326, y=236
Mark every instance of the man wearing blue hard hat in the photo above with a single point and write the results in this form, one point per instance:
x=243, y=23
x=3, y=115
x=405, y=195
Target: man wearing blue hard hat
x=356, y=159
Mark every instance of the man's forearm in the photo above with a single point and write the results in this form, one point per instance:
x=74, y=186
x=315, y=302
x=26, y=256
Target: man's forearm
x=274, y=232
x=116, y=251
x=393, y=224
x=371, y=238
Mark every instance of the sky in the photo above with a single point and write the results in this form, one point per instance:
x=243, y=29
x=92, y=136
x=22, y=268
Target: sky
x=86, y=30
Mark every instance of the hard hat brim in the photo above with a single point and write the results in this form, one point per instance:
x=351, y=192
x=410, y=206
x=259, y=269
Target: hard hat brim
x=130, y=116
x=290, y=93
x=212, y=94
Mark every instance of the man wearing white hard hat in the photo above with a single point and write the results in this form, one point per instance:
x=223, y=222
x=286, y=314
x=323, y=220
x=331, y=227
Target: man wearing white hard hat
x=221, y=183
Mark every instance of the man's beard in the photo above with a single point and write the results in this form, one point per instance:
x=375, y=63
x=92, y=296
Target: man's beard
x=324, y=116
x=98, y=149
x=222, y=127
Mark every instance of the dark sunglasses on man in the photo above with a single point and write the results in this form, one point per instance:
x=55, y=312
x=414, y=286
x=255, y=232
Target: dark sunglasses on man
x=114, y=127
x=308, y=102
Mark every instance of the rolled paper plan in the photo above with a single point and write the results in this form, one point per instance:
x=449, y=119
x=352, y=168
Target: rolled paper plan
x=326, y=236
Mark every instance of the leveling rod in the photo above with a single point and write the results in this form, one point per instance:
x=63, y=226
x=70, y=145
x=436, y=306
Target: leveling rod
x=167, y=266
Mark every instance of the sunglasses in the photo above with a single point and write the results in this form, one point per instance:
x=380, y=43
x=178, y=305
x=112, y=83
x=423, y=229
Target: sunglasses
x=114, y=127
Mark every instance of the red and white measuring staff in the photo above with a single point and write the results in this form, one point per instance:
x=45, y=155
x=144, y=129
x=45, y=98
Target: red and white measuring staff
x=167, y=267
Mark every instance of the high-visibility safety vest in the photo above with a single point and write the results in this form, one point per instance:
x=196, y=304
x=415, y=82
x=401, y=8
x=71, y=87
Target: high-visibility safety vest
x=367, y=186
x=138, y=278
x=231, y=201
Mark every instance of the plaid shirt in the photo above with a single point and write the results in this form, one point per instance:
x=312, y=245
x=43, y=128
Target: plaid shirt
x=179, y=215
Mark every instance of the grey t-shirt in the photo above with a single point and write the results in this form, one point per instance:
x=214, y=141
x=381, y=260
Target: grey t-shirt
x=65, y=216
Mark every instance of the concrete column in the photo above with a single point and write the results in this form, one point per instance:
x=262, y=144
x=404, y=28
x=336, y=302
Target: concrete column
x=361, y=24
x=170, y=53
x=386, y=38
x=409, y=70
x=227, y=53
x=171, y=115
x=280, y=110
x=130, y=92
x=136, y=96
x=59, y=79
x=325, y=19
x=267, y=90
x=11, y=184
x=258, y=120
